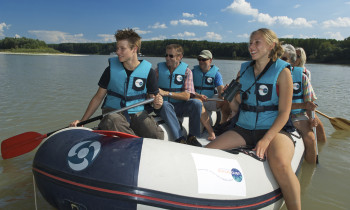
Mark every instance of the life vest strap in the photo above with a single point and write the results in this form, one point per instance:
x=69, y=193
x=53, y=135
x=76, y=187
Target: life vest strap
x=128, y=98
x=246, y=107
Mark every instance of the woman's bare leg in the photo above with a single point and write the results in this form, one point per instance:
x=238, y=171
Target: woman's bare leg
x=206, y=123
x=228, y=140
x=309, y=140
x=279, y=155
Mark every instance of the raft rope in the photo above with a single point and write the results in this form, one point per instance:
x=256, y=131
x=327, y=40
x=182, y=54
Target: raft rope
x=35, y=203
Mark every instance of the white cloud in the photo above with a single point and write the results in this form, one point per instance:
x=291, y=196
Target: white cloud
x=17, y=36
x=58, y=36
x=185, y=34
x=160, y=37
x=307, y=37
x=244, y=8
x=339, y=22
x=213, y=36
x=188, y=15
x=297, y=6
x=348, y=2
x=174, y=22
x=266, y=18
x=139, y=31
x=245, y=35
x=193, y=22
x=302, y=22
x=158, y=25
x=3, y=26
x=290, y=36
x=335, y=35
x=107, y=37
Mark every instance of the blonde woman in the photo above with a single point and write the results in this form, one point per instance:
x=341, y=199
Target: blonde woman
x=272, y=92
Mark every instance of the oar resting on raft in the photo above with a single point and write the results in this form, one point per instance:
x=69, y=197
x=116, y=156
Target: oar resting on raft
x=337, y=123
x=26, y=142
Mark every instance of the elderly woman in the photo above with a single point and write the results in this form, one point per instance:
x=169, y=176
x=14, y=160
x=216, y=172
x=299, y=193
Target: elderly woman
x=300, y=62
x=303, y=104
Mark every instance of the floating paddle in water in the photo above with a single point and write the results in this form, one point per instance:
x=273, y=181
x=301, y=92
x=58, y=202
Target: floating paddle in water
x=26, y=142
x=337, y=123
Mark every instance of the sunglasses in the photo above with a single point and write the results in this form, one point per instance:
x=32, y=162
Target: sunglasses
x=171, y=56
x=298, y=56
x=202, y=59
x=284, y=58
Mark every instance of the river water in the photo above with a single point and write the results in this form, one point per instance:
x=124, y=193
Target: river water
x=45, y=93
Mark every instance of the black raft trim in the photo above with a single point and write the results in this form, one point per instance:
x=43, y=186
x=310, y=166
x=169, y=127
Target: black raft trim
x=152, y=197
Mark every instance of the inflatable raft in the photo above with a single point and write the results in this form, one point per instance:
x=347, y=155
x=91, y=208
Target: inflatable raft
x=76, y=168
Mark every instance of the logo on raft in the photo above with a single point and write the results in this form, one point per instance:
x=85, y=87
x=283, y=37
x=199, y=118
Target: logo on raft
x=236, y=174
x=82, y=154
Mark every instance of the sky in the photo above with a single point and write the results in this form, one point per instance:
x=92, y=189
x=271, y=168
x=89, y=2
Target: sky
x=86, y=21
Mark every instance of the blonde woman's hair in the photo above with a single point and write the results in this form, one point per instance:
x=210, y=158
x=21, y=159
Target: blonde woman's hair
x=302, y=56
x=271, y=38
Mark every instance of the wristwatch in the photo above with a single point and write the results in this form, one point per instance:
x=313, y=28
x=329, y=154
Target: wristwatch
x=170, y=94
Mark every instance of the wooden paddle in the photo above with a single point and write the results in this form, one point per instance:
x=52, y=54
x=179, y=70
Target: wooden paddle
x=26, y=142
x=337, y=123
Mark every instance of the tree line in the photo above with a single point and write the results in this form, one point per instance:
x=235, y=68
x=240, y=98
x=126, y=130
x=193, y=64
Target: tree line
x=24, y=43
x=317, y=50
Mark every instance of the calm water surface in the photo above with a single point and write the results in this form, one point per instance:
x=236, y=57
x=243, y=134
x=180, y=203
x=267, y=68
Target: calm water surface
x=45, y=93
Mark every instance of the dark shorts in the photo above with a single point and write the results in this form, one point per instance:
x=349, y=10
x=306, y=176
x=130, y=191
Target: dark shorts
x=252, y=137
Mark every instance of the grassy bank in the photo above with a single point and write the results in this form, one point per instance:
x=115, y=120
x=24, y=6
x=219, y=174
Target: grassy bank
x=31, y=51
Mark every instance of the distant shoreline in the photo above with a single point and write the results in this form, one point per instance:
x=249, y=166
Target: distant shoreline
x=24, y=53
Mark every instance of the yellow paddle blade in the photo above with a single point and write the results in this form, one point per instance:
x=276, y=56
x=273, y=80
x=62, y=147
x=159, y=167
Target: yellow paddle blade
x=340, y=123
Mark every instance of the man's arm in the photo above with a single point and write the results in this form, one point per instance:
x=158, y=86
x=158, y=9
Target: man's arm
x=188, y=88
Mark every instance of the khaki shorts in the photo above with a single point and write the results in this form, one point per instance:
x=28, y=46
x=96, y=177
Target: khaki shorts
x=299, y=117
x=211, y=105
x=141, y=124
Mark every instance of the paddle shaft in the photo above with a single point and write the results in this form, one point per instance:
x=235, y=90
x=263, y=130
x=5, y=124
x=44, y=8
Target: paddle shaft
x=323, y=114
x=111, y=112
x=26, y=142
x=314, y=129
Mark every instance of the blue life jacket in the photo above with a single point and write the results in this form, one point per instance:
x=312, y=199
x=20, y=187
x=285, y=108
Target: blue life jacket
x=120, y=92
x=171, y=82
x=204, y=83
x=298, y=94
x=260, y=109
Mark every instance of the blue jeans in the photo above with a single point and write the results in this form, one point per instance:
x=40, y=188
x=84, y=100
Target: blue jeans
x=191, y=108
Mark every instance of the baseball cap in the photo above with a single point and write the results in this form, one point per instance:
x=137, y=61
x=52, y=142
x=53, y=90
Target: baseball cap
x=206, y=54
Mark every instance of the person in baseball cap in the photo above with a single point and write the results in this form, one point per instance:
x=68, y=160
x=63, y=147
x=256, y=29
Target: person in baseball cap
x=208, y=83
x=206, y=54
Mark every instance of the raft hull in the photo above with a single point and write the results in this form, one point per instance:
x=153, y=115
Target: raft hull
x=81, y=169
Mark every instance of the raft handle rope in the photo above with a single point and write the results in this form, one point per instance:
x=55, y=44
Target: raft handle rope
x=246, y=150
